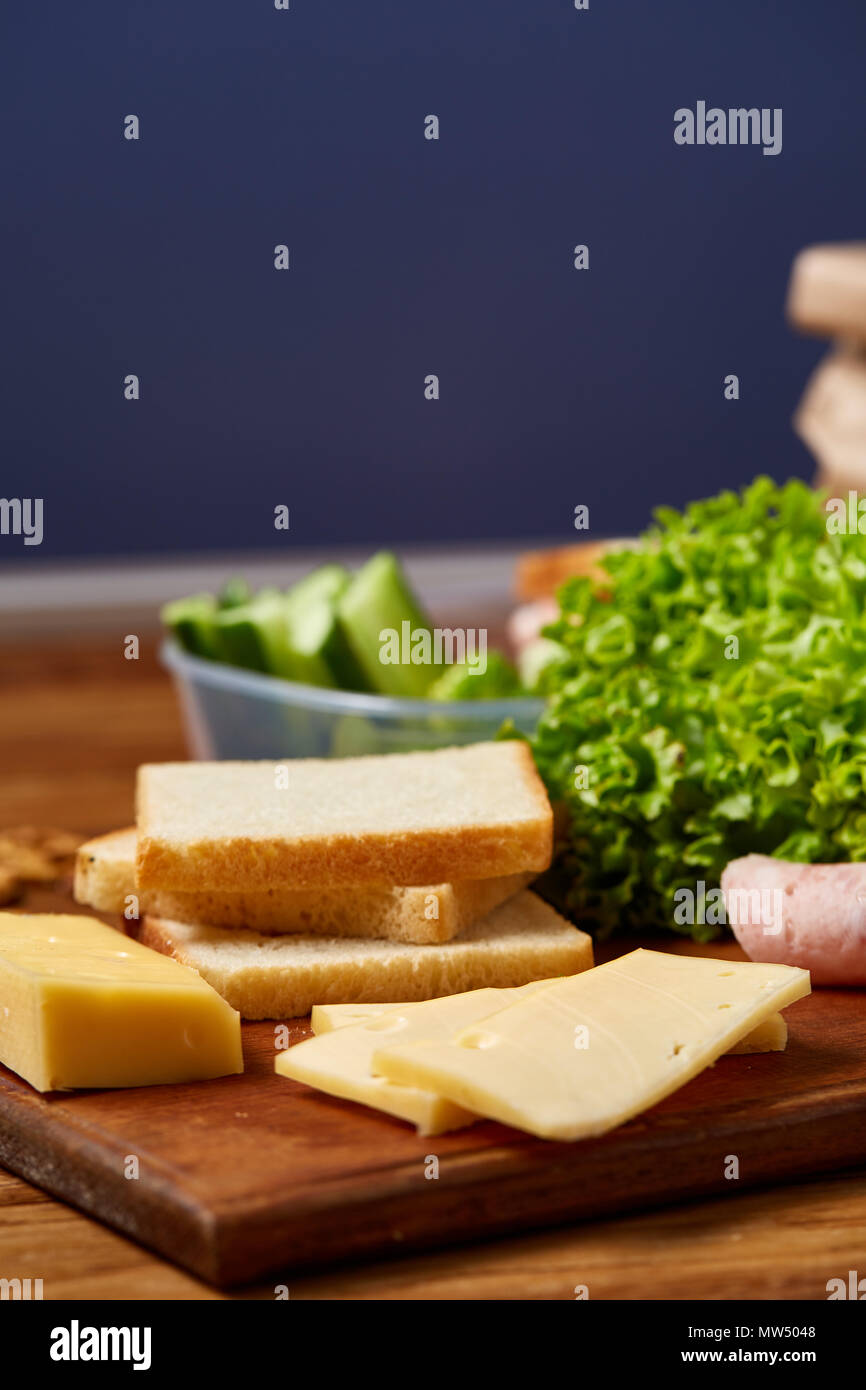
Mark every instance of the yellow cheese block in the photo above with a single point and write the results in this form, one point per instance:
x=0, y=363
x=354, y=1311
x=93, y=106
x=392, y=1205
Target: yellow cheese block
x=338, y=1061
x=83, y=1006
x=584, y=1055
x=769, y=1036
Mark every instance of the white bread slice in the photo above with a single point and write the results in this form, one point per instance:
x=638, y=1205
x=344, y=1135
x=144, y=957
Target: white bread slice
x=480, y=811
x=105, y=871
x=831, y=419
x=827, y=291
x=283, y=977
x=105, y=880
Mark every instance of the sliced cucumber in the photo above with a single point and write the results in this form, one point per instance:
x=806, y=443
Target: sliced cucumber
x=234, y=592
x=355, y=736
x=379, y=601
x=316, y=640
x=498, y=681
x=254, y=635
x=328, y=581
x=192, y=623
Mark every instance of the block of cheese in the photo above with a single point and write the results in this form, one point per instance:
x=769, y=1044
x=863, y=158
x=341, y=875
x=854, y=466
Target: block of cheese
x=480, y=811
x=827, y=292
x=338, y=1062
x=284, y=976
x=769, y=1036
x=584, y=1055
x=105, y=879
x=83, y=1006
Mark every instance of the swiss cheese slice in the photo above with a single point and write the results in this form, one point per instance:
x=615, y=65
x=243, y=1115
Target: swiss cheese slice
x=338, y=1061
x=325, y=1018
x=769, y=1036
x=584, y=1055
x=83, y=1005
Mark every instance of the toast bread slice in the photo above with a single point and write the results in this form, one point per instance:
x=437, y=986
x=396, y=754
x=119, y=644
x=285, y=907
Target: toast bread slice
x=522, y=940
x=105, y=880
x=478, y=811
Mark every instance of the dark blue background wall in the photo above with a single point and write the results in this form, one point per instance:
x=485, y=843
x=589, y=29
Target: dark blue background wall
x=408, y=257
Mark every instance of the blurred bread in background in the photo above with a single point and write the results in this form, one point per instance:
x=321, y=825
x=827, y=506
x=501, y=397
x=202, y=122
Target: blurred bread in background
x=827, y=297
x=539, y=573
x=831, y=419
x=827, y=291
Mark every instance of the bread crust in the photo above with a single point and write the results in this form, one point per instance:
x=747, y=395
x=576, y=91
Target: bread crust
x=522, y=940
x=408, y=855
x=409, y=859
x=105, y=880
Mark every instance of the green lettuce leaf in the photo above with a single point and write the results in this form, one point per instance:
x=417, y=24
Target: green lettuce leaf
x=710, y=703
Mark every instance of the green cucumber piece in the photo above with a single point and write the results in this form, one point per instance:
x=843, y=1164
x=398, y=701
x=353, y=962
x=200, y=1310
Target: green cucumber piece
x=254, y=635
x=354, y=737
x=192, y=623
x=234, y=592
x=328, y=581
x=318, y=645
x=378, y=600
x=499, y=681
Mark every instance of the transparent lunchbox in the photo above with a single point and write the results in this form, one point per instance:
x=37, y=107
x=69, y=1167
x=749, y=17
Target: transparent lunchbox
x=234, y=713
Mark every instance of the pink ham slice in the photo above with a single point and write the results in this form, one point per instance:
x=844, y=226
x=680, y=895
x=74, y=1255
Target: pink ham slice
x=821, y=909
x=525, y=623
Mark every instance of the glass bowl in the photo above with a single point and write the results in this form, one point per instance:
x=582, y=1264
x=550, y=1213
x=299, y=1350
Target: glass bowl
x=233, y=713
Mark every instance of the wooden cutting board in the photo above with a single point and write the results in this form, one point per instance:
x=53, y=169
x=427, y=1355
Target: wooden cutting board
x=252, y=1174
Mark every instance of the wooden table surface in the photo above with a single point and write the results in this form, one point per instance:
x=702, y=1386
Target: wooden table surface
x=75, y=720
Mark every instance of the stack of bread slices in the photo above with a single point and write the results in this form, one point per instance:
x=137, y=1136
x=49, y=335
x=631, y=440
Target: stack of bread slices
x=359, y=880
x=827, y=298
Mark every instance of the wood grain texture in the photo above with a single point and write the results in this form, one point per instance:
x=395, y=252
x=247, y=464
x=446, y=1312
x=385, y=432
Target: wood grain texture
x=251, y=1173
x=75, y=720
x=776, y=1243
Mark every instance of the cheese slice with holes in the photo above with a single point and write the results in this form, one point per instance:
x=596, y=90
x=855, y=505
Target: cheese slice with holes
x=769, y=1036
x=83, y=1005
x=584, y=1055
x=325, y=1018
x=338, y=1061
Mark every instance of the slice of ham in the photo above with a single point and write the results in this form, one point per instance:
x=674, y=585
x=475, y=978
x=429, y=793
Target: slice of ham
x=811, y=915
x=525, y=624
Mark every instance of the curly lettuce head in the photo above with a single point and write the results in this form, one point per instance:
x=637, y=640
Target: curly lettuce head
x=710, y=702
